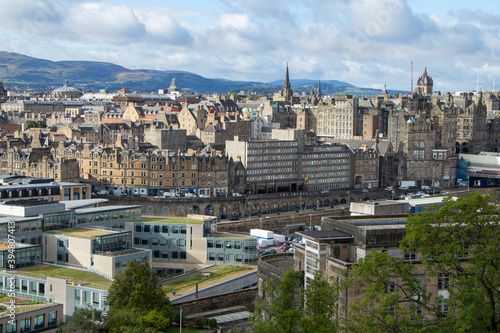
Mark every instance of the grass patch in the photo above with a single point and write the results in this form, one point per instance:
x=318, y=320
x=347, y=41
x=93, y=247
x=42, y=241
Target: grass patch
x=216, y=275
x=68, y=273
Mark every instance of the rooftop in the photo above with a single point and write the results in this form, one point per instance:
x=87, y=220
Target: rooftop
x=103, y=209
x=228, y=235
x=87, y=278
x=22, y=305
x=176, y=220
x=81, y=232
x=325, y=234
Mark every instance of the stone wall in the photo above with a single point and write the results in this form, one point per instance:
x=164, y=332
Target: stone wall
x=237, y=298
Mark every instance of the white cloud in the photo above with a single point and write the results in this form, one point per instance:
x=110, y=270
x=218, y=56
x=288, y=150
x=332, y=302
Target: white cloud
x=365, y=42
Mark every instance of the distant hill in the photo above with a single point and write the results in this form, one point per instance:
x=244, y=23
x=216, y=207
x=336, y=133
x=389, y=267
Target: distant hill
x=17, y=70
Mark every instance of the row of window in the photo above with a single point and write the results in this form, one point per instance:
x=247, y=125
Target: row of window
x=27, y=325
x=157, y=254
x=159, y=241
x=161, y=229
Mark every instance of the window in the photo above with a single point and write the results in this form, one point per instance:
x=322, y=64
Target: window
x=391, y=285
x=410, y=256
x=52, y=317
x=443, y=281
x=465, y=252
x=25, y=324
x=11, y=327
x=443, y=306
x=39, y=321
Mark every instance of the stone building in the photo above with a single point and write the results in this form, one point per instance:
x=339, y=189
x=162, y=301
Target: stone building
x=38, y=163
x=163, y=137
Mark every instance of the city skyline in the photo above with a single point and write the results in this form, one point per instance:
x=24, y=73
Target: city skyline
x=365, y=43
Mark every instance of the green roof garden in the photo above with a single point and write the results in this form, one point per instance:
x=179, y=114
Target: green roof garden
x=81, y=232
x=87, y=278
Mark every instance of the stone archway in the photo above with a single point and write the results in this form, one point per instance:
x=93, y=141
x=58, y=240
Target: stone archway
x=318, y=203
x=274, y=208
x=165, y=211
x=236, y=210
x=255, y=209
x=181, y=210
x=284, y=207
x=195, y=209
x=150, y=210
x=222, y=212
x=209, y=210
x=265, y=208
x=343, y=201
x=309, y=205
x=327, y=203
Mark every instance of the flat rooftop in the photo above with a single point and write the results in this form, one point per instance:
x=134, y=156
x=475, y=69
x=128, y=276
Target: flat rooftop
x=175, y=220
x=103, y=209
x=325, y=234
x=228, y=235
x=81, y=232
x=84, y=278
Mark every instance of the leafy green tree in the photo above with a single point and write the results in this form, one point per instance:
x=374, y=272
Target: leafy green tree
x=392, y=296
x=136, y=300
x=137, y=288
x=85, y=320
x=287, y=307
x=320, y=306
x=460, y=239
x=282, y=305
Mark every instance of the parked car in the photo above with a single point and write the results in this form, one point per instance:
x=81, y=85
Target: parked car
x=102, y=192
x=234, y=218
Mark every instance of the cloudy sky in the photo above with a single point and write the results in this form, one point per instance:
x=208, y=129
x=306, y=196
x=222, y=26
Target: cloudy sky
x=364, y=42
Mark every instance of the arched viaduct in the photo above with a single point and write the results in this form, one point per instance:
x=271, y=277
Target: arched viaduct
x=245, y=206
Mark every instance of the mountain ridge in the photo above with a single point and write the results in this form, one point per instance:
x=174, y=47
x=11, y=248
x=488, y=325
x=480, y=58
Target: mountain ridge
x=28, y=72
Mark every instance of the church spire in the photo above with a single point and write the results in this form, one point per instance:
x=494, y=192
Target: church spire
x=319, y=88
x=287, y=92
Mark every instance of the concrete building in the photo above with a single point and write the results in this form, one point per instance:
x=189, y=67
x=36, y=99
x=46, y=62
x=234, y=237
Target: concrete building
x=183, y=244
x=106, y=252
x=32, y=316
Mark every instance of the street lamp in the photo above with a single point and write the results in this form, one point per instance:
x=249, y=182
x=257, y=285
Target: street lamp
x=310, y=222
x=180, y=323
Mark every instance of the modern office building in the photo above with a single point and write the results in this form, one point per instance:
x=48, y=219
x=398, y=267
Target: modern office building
x=183, y=244
x=31, y=316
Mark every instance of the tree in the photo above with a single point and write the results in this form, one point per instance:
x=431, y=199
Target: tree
x=462, y=239
x=85, y=320
x=392, y=296
x=287, y=307
x=137, y=288
x=137, y=301
x=460, y=244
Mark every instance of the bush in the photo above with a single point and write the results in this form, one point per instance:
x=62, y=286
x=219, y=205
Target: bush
x=200, y=321
x=212, y=324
